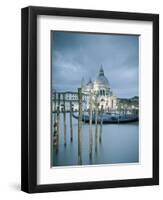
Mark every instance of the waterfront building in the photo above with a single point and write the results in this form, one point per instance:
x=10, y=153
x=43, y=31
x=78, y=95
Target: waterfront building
x=101, y=90
x=102, y=94
x=129, y=104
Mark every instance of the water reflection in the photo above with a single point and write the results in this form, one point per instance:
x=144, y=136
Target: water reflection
x=112, y=143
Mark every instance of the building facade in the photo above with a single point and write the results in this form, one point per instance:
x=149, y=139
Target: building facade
x=102, y=97
x=101, y=91
x=130, y=104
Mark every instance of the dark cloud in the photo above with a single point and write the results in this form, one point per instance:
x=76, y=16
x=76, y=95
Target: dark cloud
x=77, y=55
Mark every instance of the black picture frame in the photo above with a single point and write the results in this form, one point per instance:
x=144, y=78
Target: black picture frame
x=29, y=99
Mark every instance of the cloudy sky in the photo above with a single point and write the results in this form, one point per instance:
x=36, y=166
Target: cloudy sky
x=79, y=55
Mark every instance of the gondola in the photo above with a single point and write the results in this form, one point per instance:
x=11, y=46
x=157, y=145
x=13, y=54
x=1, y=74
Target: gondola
x=110, y=118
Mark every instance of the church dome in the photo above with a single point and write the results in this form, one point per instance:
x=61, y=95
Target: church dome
x=101, y=79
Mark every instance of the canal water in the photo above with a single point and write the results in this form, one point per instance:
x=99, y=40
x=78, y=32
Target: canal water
x=119, y=144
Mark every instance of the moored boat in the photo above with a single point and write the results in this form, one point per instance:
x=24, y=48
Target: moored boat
x=110, y=118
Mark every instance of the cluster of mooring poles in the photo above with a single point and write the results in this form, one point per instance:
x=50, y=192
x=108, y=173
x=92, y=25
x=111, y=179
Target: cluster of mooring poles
x=93, y=102
x=95, y=116
x=56, y=120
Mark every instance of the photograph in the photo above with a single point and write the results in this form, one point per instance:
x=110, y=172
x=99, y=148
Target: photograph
x=94, y=98
x=90, y=99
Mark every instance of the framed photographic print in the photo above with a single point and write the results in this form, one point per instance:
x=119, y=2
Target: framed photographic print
x=90, y=99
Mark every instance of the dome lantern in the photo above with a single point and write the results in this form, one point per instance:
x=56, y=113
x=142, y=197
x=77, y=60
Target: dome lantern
x=101, y=71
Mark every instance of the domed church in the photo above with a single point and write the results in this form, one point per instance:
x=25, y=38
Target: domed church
x=101, y=89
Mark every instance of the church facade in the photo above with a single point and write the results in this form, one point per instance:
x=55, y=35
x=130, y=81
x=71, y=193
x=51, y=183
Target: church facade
x=100, y=89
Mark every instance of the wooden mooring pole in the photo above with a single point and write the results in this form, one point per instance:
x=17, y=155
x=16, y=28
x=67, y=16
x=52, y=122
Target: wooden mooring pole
x=54, y=135
x=90, y=127
x=64, y=118
x=80, y=127
x=101, y=123
x=71, y=127
x=96, y=124
x=58, y=121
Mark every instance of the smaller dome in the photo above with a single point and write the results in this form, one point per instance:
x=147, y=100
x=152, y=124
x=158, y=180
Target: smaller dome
x=87, y=87
x=89, y=83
